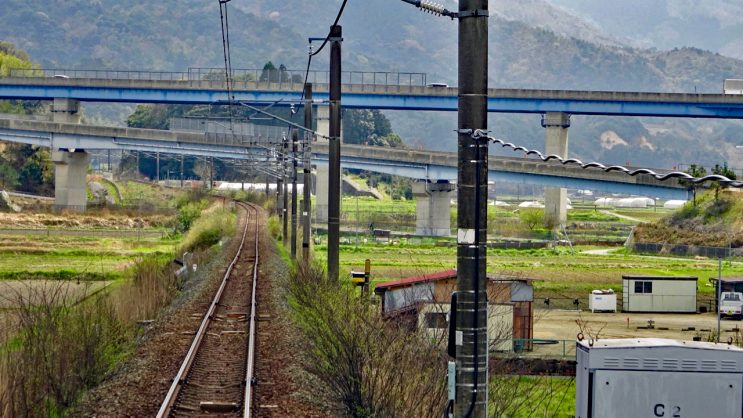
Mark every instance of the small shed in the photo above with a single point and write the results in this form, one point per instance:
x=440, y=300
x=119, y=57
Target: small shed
x=425, y=301
x=659, y=294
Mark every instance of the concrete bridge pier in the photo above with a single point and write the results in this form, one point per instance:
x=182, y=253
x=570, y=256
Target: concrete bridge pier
x=66, y=111
x=71, y=170
x=556, y=125
x=70, y=167
x=433, y=208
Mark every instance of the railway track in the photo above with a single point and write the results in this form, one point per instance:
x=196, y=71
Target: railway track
x=216, y=374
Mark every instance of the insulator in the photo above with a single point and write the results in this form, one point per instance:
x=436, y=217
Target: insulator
x=433, y=8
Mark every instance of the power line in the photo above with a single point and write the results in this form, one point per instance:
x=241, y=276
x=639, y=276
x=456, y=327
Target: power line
x=224, y=20
x=479, y=134
x=335, y=23
x=324, y=42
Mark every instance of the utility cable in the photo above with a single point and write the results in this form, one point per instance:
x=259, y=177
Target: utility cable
x=725, y=181
x=224, y=20
x=327, y=38
x=324, y=42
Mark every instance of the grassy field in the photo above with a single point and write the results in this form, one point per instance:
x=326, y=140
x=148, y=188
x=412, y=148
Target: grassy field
x=585, y=223
x=93, y=257
x=559, y=272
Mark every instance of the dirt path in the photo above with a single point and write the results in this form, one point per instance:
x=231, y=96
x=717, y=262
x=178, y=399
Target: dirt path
x=281, y=388
x=625, y=217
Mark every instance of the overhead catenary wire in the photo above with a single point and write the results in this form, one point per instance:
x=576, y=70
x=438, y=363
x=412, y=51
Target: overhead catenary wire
x=725, y=181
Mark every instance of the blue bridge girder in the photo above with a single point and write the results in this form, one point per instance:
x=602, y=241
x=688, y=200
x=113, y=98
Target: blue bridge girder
x=379, y=97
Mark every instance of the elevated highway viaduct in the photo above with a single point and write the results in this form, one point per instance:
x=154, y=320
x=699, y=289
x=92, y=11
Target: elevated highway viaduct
x=556, y=106
x=435, y=171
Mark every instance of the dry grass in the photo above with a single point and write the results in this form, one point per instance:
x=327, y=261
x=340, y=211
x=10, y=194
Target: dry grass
x=60, y=338
x=367, y=366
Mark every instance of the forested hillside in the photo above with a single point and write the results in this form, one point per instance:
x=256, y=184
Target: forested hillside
x=532, y=45
x=22, y=167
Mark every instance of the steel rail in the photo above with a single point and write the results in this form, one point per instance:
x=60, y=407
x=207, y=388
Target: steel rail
x=247, y=403
x=180, y=378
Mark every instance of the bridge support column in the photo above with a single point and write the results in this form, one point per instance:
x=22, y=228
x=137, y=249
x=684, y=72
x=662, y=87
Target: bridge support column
x=556, y=125
x=71, y=169
x=433, y=208
x=66, y=111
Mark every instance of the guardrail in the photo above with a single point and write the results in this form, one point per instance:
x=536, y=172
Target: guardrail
x=278, y=75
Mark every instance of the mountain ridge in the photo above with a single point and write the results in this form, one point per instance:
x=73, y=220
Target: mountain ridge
x=392, y=36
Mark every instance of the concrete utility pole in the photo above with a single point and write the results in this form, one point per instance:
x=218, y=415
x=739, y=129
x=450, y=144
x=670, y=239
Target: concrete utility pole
x=295, y=140
x=307, y=206
x=472, y=181
x=285, y=204
x=334, y=153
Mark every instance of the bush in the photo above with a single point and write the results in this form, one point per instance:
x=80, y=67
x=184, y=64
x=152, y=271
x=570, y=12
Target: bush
x=62, y=348
x=208, y=229
x=188, y=213
x=274, y=227
x=368, y=366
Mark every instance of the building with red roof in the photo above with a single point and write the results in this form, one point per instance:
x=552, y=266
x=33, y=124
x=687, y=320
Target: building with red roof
x=425, y=300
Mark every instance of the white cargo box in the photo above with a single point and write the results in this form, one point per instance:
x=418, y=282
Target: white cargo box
x=652, y=377
x=602, y=301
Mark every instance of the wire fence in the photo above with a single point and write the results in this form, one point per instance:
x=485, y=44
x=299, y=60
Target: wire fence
x=686, y=250
x=277, y=75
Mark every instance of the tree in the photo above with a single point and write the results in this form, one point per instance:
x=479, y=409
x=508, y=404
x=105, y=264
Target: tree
x=722, y=170
x=269, y=73
x=695, y=171
x=531, y=217
x=8, y=176
x=369, y=127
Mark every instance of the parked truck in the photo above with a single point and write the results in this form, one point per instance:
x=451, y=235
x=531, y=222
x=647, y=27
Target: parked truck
x=731, y=304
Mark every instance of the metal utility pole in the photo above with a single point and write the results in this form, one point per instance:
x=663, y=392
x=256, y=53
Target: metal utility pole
x=307, y=149
x=182, y=171
x=472, y=182
x=719, y=294
x=285, y=204
x=334, y=153
x=295, y=140
x=211, y=173
x=279, y=188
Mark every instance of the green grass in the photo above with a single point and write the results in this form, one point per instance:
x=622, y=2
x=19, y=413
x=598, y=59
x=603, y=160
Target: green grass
x=71, y=257
x=558, y=271
x=531, y=396
x=27, y=266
